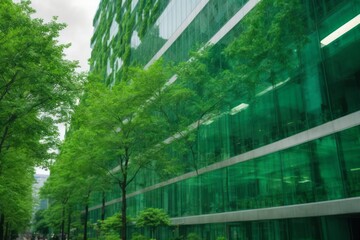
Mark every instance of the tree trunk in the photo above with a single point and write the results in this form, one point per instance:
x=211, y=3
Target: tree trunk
x=7, y=232
x=69, y=224
x=86, y=220
x=152, y=229
x=63, y=224
x=103, y=206
x=123, y=209
x=2, y=223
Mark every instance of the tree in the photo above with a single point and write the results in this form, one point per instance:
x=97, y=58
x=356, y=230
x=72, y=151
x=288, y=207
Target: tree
x=109, y=228
x=111, y=224
x=108, y=127
x=15, y=193
x=37, y=88
x=193, y=236
x=41, y=225
x=35, y=80
x=60, y=189
x=79, y=152
x=127, y=126
x=120, y=126
x=153, y=218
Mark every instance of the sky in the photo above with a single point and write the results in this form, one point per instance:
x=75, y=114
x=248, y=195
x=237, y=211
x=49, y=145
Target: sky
x=78, y=15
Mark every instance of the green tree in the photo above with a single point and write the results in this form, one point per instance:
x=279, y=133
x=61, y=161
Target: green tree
x=115, y=134
x=109, y=228
x=153, y=218
x=36, y=82
x=78, y=152
x=193, y=236
x=16, y=193
x=41, y=225
x=60, y=189
x=120, y=126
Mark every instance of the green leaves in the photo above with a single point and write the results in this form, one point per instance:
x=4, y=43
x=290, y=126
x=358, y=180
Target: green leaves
x=274, y=31
x=110, y=225
x=35, y=80
x=144, y=122
x=113, y=136
x=38, y=87
x=152, y=217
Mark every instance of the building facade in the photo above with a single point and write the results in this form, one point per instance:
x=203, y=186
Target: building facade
x=284, y=161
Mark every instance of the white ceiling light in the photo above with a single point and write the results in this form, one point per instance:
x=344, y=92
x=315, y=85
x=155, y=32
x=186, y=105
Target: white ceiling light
x=341, y=31
x=239, y=108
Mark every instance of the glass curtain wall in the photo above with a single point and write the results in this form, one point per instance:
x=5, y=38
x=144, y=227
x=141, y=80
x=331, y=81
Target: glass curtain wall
x=321, y=85
x=308, y=96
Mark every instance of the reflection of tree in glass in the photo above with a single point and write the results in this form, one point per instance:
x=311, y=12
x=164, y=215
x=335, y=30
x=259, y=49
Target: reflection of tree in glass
x=268, y=48
x=267, y=52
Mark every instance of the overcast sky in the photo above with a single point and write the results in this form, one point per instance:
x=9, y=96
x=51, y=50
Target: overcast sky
x=78, y=15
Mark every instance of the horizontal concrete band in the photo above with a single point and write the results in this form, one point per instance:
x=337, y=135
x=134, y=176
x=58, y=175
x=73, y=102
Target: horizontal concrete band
x=334, y=207
x=324, y=130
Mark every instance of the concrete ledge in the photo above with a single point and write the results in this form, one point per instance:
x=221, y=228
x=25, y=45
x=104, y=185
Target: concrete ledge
x=323, y=130
x=334, y=207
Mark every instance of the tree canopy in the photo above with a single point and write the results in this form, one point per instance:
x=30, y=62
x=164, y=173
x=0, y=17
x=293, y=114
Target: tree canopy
x=38, y=87
x=152, y=217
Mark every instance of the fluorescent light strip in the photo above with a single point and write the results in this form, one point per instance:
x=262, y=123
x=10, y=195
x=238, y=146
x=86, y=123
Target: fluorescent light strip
x=272, y=87
x=341, y=31
x=239, y=108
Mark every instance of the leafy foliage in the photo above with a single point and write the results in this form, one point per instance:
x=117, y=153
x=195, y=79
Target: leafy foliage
x=111, y=225
x=139, y=122
x=152, y=217
x=269, y=44
x=38, y=88
x=117, y=135
x=193, y=236
x=41, y=226
x=129, y=20
x=220, y=238
x=138, y=236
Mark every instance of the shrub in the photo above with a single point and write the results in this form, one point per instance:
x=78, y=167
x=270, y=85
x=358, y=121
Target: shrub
x=138, y=236
x=221, y=238
x=193, y=236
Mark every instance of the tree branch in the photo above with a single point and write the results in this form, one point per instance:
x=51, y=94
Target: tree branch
x=8, y=85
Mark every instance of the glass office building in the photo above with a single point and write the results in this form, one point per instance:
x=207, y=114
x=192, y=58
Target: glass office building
x=283, y=161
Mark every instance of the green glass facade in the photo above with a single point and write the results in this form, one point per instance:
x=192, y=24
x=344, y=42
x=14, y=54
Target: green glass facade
x=283, y=159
